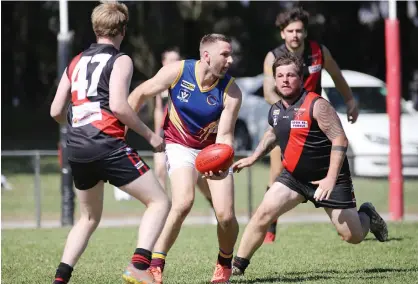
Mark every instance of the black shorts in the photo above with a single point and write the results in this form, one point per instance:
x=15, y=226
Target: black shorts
x=342, y=197
x=120, y=167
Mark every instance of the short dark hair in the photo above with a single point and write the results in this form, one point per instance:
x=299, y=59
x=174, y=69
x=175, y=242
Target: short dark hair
x=212, y=38
x=288, y=58
x=170, y=49
x=295, y=14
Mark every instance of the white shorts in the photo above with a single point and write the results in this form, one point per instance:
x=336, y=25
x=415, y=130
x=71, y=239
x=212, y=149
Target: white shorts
x=178, y=156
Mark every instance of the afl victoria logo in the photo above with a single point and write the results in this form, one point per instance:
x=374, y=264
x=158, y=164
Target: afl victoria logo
x=211, y=100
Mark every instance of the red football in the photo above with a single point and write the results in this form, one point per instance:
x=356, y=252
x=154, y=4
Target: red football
x=214, y=158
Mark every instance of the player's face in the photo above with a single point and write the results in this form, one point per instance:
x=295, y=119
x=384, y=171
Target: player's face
x=288, y=81
x=170, y=57
x=219, y=58
x=294, y=34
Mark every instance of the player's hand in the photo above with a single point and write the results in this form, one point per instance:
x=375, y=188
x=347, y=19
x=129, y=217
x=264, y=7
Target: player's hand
x=157, y=142
x=216, y=175
x=352, y=111
x=325, y=187
x=243, y=163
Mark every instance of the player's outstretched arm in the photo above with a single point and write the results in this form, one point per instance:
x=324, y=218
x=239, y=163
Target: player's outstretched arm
x=341, y=84
x=269, y=86
x=330, y=124
x=59, y=105
x=119, y=83
x=165, y=77
x=229, y=115
x=267, y=143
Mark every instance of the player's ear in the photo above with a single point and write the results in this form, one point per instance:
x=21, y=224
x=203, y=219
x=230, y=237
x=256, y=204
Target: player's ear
x=282, y=34
x=206, y=56
x=305, y=33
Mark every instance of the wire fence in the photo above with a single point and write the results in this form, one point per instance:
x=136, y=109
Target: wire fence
x=36, y=155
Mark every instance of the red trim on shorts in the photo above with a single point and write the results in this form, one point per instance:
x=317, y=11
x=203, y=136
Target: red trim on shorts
x=135, y=159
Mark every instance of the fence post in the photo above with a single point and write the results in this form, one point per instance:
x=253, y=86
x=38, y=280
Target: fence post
x=37, y=191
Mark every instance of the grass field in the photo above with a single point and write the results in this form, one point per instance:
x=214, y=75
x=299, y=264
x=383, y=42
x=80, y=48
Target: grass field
x=19, y=204
x=305, y=253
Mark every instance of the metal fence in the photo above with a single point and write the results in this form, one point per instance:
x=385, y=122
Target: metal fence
x=36, y=164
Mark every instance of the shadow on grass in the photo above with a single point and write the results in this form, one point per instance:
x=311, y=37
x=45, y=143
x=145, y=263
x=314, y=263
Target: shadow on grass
x=372, y=239
x=306, y=276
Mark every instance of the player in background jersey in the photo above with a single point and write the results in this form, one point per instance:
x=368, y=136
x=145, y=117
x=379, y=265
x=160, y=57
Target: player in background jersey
x=161, y=106
x=308, y=129
x=203, y=109
x=96, y=85
x=293, y=30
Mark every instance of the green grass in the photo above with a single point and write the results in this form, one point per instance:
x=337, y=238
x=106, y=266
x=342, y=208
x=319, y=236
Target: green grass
x=19, y=204
x=304, y=253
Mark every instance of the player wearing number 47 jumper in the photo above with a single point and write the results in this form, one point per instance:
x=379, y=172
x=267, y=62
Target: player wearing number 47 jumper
x=96, y=85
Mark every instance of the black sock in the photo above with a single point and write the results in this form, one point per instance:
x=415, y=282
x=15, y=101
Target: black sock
x=272, y=228
x=225, y=259
x=141, y=259
x=63, y=274
x=241, y=263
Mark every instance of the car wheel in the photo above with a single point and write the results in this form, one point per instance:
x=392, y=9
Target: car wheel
x=242, y=140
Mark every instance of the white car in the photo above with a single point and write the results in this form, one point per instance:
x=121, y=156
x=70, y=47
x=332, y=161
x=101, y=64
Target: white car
x=369, y=136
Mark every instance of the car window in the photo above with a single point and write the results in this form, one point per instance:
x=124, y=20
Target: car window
x=369, y=99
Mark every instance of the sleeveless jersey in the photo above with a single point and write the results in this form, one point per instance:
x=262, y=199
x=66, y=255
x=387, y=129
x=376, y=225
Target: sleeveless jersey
x=305, y=148
x=193, y=113
x=93, y=129
x=313, y=62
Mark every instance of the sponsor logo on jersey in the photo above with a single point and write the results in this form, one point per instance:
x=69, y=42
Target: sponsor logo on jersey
x=298, y=124
x=184, y=95
x=188, y=85
x=314, y=68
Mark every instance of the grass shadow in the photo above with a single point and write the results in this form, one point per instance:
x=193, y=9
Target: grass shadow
x=372, y=239
x=317, y=275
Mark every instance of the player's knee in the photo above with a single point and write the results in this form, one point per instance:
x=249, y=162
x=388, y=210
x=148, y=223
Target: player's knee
x=91, y=220
x=164, y=203
x=264, y=216
x=182, y=208
x=225, y=218
x=352, y=237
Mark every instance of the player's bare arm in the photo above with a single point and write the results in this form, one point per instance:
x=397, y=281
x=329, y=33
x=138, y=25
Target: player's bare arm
x=267, y=143
x=61, y=100
x=119, y=83
x=158, y=113
x=156, y=85
x=269, y=87
x=229, y=115
x=341, y=84
x=330, y=124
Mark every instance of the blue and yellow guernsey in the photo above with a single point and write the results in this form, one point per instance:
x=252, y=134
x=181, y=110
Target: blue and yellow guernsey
x=193, y=112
